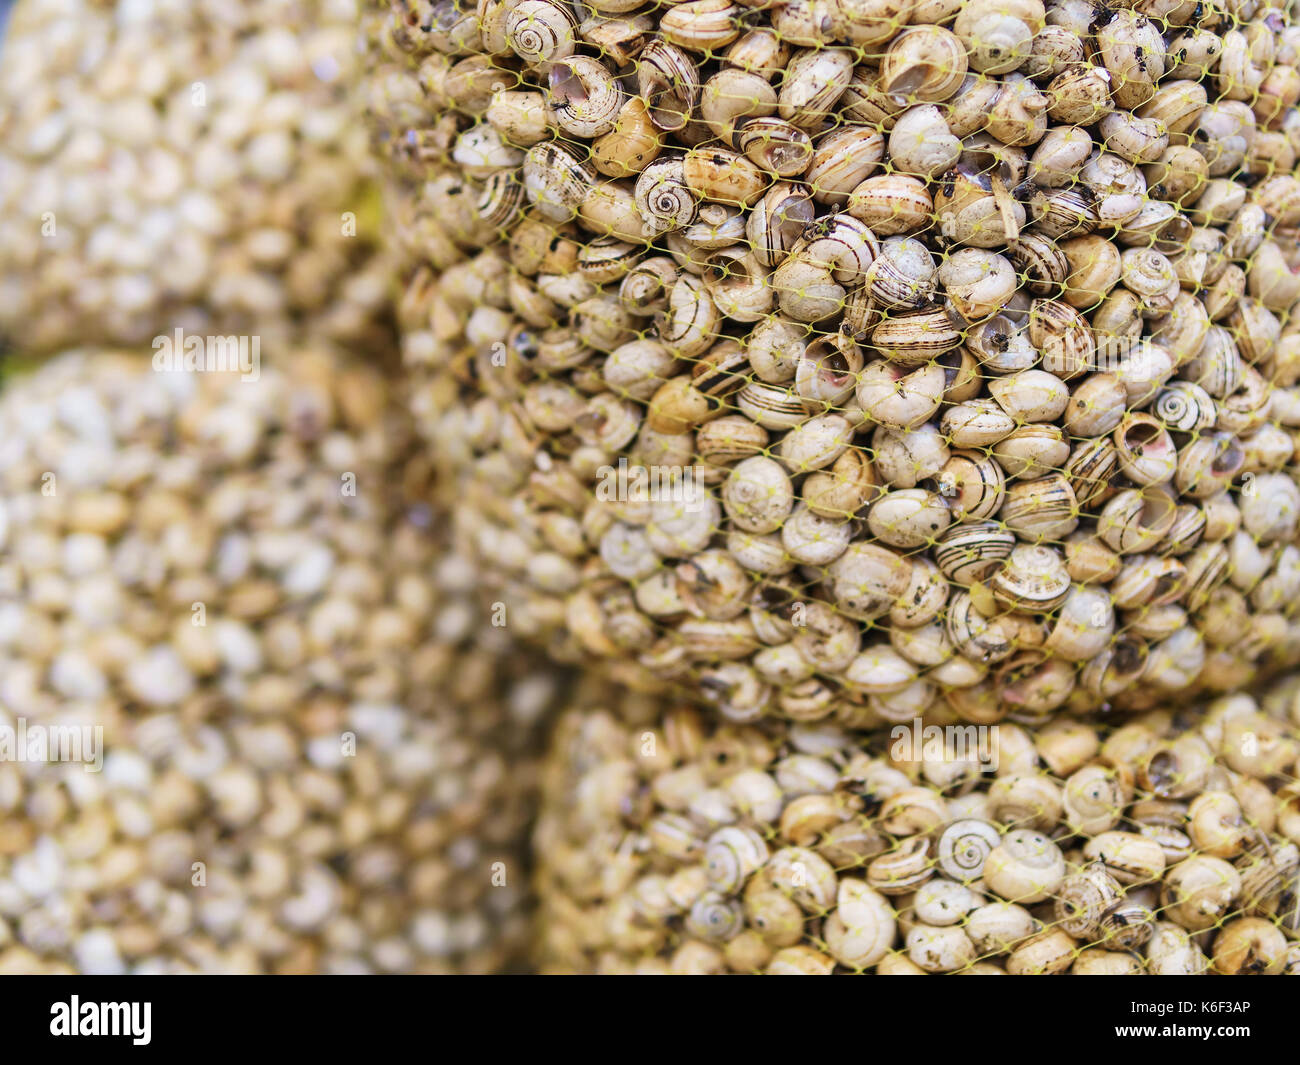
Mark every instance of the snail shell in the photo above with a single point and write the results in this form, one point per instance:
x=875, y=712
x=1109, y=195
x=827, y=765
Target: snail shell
x=585, y=96
x=970, y=552
x=1034, y=578
x=541, y=33
x=669, y=83
x=1083, y=900
x=964, y=847
x=1185, y=407
x=915, y=338
x=925, y=64
x=772, y=406
x=1025, y=867
x=556, y=181
x=980, y=638
x=1130, y=858
x=701, y=25
x=813, y=81
x=904, y=869
x=775, y=145
x=842, y=160
x=1136, y=520
x=1092, y=800
x=806, y=876
x=758, y=495
x=501, y=202
x=940, y=950
x=1042, y=509
x=714, y=917
x=861, y=929
x=663, y=197
x=974, y=485
x=731, y=856
x=778, y=221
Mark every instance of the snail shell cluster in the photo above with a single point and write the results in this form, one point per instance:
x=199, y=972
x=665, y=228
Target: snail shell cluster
x=175, y=164
x=317, y=754
x=974, y=328
x=1162, y=846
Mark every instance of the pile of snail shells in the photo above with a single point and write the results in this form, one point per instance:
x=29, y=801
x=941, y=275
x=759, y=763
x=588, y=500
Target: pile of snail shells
x=317, y=754
x=169, y=163
x=974, y=325
x=1167, y=845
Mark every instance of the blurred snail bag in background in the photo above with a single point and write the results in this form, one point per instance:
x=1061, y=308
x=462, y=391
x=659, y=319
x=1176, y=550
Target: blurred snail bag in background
x=190, y=164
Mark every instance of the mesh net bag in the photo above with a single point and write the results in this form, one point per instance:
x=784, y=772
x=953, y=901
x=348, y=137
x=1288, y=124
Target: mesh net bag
x=849, y=360
x=184, y=163
x=1164, y=845
x=314, y=753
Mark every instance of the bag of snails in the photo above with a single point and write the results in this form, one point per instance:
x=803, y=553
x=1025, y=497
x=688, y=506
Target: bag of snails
x=856, y=360
x=317, y=754
x=185, y=164
x=1167, y=845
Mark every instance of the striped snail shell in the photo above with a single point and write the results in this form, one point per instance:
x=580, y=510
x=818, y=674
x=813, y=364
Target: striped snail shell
x=916, y=338
x=1127, y=926
x=903, y=869
x=1089, y=471
x=980, y=638
x=645, y=288
x=669, y=82
x=690, y=324
x=778, y=221
x=502, y=200
x=1043, y=508
x=1041, y=264
x=663, y=197
x=973, y=483
x=771, y=406
x=813, y=81
x=775, y=145
x=585, y=96
x=608, y=259
x=701, y=25
x=540, y=33
x=1185, y=407
x=970, y=552
x=964, y=847
x=731, y=856
x=1267, y=871
x=1136, y=519
x=841, y=244
x=1034, y=578
x=556, y=180
x=1083, y=899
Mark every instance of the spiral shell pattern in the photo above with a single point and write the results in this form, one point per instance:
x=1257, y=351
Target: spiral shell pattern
x=731, y=856
x=1185, y=407
x=540, y=33
x=963, y=848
